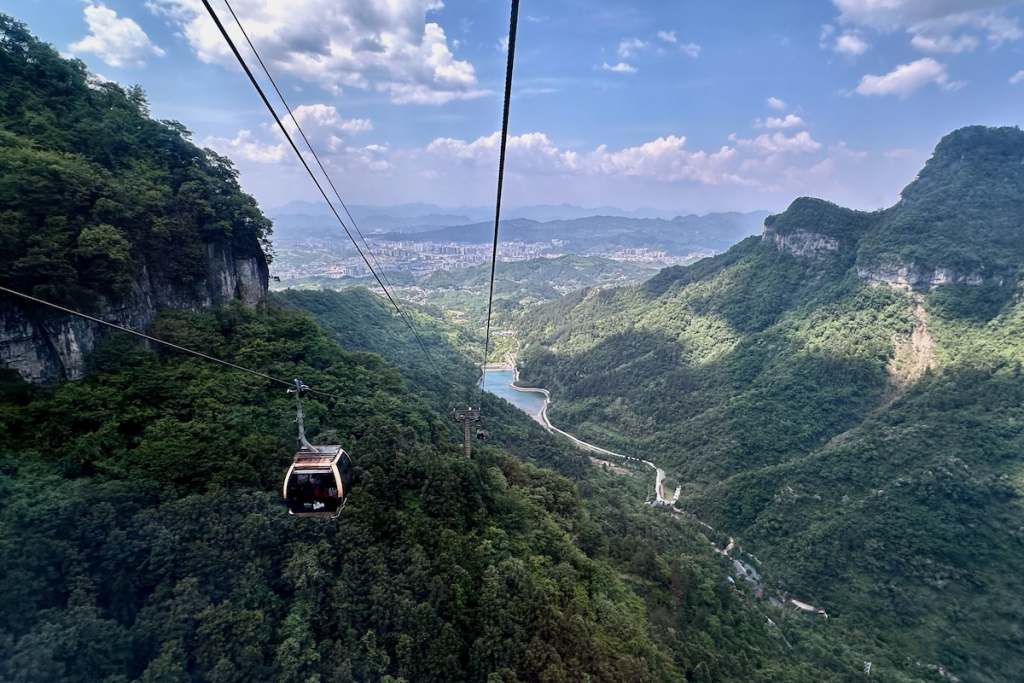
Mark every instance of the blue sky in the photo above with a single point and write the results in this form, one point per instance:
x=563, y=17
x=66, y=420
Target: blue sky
x=693, y=106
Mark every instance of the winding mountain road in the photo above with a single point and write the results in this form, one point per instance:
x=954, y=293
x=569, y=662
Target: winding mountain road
x=741, y=568
x=659, y=474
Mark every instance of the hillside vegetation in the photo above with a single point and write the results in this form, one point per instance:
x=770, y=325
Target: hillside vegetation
x=141, y=537
x=91, y=187
x=844, y=396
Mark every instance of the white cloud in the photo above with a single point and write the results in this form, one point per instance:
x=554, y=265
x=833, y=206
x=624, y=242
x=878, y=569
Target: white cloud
x=369, y=157
x=776, y=103
x=779, y=143
x=665, y=169
x=245, y=146
x=844, y=150
x=787, y=121
x=936, y=25
x=629, y=47
x=118, y=41
x=906, y=78
x=530, y=151
x=664, y=159
x=850, y=44
x=1017, y=77
x=389, y=47
x=899, y=153
x=620, y=68
x=690, y=49
x=324, y=126
x=894, y=14
x=944, y=43
x=326, y=116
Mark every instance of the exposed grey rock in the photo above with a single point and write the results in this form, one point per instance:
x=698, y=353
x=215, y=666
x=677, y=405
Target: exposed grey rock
x=910, y=277
x=802, y=243
x=47, y=347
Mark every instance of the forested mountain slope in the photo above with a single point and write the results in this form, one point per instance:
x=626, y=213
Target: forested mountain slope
x=141, y=536
x=541, y=278
x=106, y=209
x=142, y=539
x=844, y=394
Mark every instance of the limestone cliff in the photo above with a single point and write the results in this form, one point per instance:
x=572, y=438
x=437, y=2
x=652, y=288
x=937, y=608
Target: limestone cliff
x=107, y=210
x=44, y=346
x=804, y=243
x=911, y=277
x=813, y=228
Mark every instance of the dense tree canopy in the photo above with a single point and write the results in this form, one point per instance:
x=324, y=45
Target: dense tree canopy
x=863, y=441
x=91, y=187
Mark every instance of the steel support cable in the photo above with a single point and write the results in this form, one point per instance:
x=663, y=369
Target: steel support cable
x=148, y=337
x=305, y=165
x=513, y=21
x=319, y=163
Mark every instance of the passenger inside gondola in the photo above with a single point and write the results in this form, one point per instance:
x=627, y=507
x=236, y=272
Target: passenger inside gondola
x=312, y=492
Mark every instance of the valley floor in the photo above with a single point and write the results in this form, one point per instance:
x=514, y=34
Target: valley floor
x=741, y=569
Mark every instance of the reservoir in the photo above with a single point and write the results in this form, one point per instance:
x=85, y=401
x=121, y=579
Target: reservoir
x=499, y=383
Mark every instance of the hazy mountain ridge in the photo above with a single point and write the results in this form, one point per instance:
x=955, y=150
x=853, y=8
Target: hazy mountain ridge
x=679, y=236
x=569, y=271
x=378, y=217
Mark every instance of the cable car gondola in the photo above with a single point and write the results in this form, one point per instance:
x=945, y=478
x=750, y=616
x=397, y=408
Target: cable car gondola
x=320, y=477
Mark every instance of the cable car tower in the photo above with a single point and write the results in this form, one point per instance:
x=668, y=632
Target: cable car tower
x=467, y=417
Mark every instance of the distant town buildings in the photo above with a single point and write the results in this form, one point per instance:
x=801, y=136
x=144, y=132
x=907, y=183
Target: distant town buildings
x=336, y=259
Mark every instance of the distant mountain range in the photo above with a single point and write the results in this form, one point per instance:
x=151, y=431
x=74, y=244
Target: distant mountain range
x=680, y=235
x=300, y=220
x=406, y=217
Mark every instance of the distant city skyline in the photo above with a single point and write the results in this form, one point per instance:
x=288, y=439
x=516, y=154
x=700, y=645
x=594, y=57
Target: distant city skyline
x=691, y=107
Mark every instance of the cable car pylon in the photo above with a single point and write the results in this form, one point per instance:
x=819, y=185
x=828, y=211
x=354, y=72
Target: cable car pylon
x=466, y=417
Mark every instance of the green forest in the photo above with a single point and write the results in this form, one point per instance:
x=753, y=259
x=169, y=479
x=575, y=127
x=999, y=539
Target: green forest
x=142, y=536
x=858, y=433
x=92, y=189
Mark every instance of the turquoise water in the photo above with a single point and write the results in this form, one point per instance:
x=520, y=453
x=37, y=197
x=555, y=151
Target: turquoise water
x=499, y=383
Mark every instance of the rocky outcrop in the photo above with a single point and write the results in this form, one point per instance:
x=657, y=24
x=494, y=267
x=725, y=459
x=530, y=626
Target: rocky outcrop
x=814, y=228
x=803, y=243
x=909, y=277
x=46, y=347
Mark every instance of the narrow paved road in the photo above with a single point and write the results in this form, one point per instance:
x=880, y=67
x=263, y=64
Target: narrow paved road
x=659, y=474
x=742, y=568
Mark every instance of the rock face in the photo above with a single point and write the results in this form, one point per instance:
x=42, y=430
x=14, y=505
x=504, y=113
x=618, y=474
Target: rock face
x=814, y=228
x=45, y=347
x=910, y=277
x=803, y=243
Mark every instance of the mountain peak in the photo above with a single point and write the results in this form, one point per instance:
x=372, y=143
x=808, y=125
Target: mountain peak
x=815, y=227
x=967, y=157
x=958, y=221
x=964, y=210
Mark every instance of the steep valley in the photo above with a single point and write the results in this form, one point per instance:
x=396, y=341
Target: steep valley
x=839, y=401
x=843, y=395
